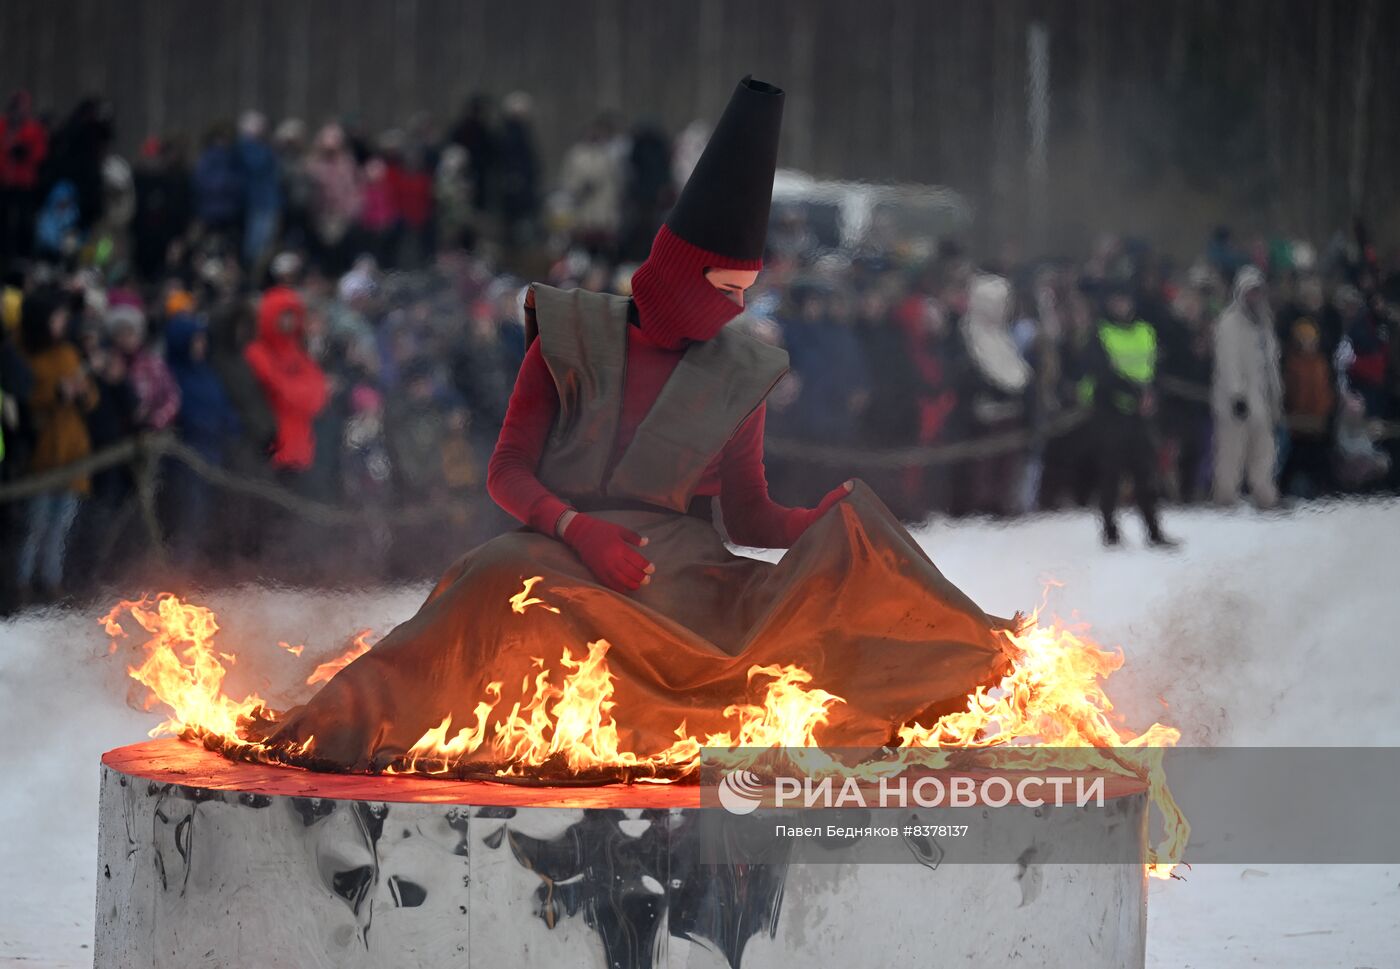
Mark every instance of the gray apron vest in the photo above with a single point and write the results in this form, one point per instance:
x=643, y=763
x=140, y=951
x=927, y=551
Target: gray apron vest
x=716, y=385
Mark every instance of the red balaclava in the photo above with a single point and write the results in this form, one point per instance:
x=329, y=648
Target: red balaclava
x=720, y=221
x=675, y=301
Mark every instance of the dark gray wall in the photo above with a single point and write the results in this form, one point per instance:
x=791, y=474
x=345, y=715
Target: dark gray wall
x=1165, y=116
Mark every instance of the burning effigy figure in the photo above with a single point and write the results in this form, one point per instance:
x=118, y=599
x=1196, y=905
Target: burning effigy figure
x=634, y=432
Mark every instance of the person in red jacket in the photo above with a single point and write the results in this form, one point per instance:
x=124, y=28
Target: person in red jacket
x=293, y=383
x=23, y=146
x=634, y=433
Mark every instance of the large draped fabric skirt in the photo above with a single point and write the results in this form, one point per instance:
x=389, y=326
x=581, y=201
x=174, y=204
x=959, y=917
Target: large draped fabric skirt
x=855, y=602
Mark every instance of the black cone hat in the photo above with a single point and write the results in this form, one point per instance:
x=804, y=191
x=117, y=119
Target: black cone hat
x=723, y=208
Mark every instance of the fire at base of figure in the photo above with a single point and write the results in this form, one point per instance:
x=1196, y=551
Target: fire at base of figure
x=565, y=729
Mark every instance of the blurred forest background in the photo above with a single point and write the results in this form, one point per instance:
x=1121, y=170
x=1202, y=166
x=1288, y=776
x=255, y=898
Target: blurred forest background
x=1153, y=118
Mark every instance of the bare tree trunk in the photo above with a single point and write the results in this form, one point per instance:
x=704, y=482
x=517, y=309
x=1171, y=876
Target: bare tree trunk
x=799, y=102
x=405, y=53
x=1176, y=45
x=1090, y=93
x=1038, y=125
x=249, y=55
x=1321, y=126
x=157, y=24
x=1007, y=113
x=607, y=36
x=474, y=46
x=48, y=62
x=901, y=58
x=1361, y=109
x=92, y=71
x=298, y=61
x=347, y=64
x=938, y=143
x=971, y=133
x=1274, y=106
x=710, y=84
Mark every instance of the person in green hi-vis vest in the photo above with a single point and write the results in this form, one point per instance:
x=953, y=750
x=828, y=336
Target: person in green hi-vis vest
x=1122, y=369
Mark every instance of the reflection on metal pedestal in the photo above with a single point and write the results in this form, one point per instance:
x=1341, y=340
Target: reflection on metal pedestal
x=204, y=863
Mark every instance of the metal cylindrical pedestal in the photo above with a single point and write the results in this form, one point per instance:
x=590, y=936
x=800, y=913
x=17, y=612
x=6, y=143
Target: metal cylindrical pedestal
x=205, y=863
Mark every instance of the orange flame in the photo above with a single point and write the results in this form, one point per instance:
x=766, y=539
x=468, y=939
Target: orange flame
x=1053, y=697
x=574, y=722
x=522, y=599
x=437, y=753
x=328, y=669
x=789, y=716
x=294, y=650
x=182, y=670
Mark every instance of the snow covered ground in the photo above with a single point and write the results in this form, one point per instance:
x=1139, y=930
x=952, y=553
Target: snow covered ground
x=1262, y=631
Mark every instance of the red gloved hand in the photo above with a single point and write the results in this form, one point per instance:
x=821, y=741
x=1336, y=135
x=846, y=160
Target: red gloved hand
x=802, y=519
x=610, y=552
x=833, y=496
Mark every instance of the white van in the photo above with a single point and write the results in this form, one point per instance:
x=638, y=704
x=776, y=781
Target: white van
x=871, y=215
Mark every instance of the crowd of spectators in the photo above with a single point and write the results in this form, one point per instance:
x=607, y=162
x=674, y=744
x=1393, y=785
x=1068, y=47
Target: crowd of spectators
x=338, y=317
x=947, y=351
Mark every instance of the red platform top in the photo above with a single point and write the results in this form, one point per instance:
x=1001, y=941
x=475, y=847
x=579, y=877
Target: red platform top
x=172, y=761
x=176, y=762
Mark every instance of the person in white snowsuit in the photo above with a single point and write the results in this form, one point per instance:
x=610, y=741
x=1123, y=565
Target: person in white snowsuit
x=591, y=184
x=1246, y=394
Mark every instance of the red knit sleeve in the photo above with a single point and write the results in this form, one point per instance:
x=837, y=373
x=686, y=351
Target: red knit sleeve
x=511, y=476
x=750, y=516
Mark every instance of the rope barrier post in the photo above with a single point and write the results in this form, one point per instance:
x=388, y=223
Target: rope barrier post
x=146, y=470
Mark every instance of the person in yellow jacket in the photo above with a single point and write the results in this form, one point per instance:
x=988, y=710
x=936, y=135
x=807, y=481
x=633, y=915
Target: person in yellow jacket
x=61, y=396
x=1122, y=367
